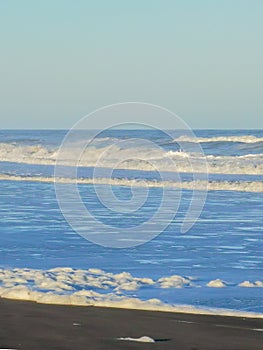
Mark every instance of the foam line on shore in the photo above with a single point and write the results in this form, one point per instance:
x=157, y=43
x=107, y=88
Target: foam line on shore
x=95, y=287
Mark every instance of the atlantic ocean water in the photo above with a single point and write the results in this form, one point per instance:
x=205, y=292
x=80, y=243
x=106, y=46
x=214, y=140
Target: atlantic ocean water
x=216, y=265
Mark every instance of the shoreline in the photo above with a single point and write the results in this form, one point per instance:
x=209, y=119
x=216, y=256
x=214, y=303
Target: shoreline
x=29, y=325
x=141, y=305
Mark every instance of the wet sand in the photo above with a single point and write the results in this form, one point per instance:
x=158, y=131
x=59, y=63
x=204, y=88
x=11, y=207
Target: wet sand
x=31, y=326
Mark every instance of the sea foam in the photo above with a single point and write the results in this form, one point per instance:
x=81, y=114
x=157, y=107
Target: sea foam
x=95, y=287
x=240, y=186
x=135, y=158
x=240, y=139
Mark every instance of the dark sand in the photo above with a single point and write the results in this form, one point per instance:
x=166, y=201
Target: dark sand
x=31, y=326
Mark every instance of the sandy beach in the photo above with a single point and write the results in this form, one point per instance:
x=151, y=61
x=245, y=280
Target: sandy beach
x=32, y=326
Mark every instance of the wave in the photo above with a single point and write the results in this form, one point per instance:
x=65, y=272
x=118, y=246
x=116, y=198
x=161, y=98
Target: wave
x=37, y=154
x=95, y=287
x=239, y=139
x=240, y=186
x=134, y=159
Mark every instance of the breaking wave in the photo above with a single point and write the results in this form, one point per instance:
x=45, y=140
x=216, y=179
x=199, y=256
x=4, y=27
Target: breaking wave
x=175, y=161
x=240, y=139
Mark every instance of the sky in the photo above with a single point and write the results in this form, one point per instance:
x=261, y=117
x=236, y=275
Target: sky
x=202, y=59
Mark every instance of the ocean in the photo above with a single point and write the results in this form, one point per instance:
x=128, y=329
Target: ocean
x=215, y=266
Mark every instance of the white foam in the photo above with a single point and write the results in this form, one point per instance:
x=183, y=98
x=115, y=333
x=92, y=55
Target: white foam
x=241, y=139
x=143, y=339
x=218, y=283
x=67, y=286
x=135, y=158
x=241, y=186
x=12, y=152
x=248, y=284
x=174, y=282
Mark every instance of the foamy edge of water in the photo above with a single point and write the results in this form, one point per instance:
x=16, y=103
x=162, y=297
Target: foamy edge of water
x=56, y=286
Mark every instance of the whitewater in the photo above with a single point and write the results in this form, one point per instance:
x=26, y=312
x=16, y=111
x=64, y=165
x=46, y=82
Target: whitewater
x=161, y=159
x=242, y=186
x=215, y=268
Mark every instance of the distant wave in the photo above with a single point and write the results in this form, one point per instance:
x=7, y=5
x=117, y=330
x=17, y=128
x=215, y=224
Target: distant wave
x=37, y=154
x=241, y=139
x=135, y=159
x=241, y=186
x=95, y=287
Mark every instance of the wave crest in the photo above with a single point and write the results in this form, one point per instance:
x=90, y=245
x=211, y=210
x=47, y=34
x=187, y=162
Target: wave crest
x=240, y=139
x=174, y=161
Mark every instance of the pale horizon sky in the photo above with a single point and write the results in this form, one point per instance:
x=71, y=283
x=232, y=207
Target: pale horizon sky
x=62, y=59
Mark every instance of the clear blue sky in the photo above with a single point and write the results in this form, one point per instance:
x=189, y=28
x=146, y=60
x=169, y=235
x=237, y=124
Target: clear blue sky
x=61, y=59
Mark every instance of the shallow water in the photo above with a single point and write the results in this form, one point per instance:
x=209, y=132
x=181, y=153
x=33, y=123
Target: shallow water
x=214, y=259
